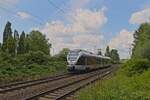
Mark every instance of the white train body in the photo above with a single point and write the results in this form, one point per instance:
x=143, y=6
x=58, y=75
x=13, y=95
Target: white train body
x=81, y=60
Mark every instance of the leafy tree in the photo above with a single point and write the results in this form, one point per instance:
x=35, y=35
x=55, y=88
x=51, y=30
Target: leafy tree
x=16, y=35
x=16, y=38
x=37, y=57
x=7, y=34
x=27, y=44
x=8, y=40
x=63, y=54
x=107, y=53
x=38, y=42
x=142, y=42
x=11, y=46
x=0, y=46
x=21, y=44
x=114, y=56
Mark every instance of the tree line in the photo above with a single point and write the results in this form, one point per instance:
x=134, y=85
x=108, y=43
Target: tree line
x=113, y=54
x=15, y=44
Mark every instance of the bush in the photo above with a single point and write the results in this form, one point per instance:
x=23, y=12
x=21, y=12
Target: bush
x=31, y=65
x=136, y=66
x=34, y=57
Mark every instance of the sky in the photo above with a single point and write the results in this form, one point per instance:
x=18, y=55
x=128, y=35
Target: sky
x=78, y=24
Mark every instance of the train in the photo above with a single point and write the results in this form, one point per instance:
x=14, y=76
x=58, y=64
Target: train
x=83, y=61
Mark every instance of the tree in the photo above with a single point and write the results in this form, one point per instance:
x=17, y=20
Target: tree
x=141, y=45
x=21, y=44
x=16, y=38
x=107, y=53
x=16, y=35
x=11, y=46
x=114, y=56
x=38, y=42
x=7, y=34
x=0, y=46
x=63, y=54
x=27, y=44
x=8, y=40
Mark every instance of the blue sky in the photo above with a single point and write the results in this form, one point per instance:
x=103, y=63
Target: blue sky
x=87, y=24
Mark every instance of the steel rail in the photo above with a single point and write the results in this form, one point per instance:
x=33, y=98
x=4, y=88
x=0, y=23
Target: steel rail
x=87, y=77
x=19, y=85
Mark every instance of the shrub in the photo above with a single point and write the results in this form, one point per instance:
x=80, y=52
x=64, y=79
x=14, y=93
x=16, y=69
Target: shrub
x=31, y=65
x=34, y=57
x=136, y=66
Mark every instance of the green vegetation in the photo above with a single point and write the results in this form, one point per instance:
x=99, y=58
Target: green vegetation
x=131, y=81
x=119, y=87
x=107, y=53
x=136, y=66
x=142, y=42
x=27, y=56
x=113, y=54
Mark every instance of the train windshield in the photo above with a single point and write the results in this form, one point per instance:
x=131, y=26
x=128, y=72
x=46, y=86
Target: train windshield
x=72, y=56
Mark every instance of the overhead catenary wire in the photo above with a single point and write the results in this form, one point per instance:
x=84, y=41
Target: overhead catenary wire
x=15, y=14
x=35, y=16
x=57, y=7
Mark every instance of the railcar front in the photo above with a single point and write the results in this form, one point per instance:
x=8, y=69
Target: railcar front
x=72, y=57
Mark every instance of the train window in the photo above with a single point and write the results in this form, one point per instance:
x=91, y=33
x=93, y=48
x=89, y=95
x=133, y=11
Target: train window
x=98, y=61
x=104, y=62
x=101, y=61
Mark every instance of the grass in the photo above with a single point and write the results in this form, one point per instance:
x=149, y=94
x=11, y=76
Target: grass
x=119, y=87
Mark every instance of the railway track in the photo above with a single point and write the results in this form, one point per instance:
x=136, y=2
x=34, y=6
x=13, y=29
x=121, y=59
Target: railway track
x=24, y=82
x=18, y=85
x=52, y=89
x=65, y=91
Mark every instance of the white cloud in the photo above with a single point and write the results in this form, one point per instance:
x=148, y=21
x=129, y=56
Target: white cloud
x=81, y=32
x=122, y=42
x=85, y=39
x=86, y=20
x=24, y=15
x=140, y=16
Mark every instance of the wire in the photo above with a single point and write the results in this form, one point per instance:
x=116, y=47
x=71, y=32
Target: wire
x=40, y=21
x=14, y=13
x=55, y=6
x=36, y=17
x=61, y=10
x=65, y=5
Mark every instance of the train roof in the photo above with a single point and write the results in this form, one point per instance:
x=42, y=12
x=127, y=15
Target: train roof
x=84, y=52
